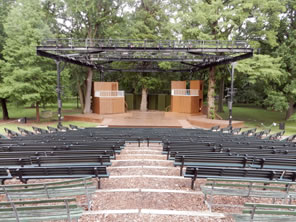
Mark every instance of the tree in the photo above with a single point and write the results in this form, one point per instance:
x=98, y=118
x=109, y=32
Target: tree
x=149, y=21
x=4, y=9
x=225, y=20
x=287, y=52
x=27, y=78
x=92, y=20
x=263, y=74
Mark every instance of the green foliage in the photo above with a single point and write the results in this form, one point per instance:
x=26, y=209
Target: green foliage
x=27, y=78
x=263, y=68
x=149, y=82
x=276, y=101
x=218, y=19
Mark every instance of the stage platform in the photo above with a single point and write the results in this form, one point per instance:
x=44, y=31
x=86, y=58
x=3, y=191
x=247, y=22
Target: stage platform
x=91, y=117
x=149, y=119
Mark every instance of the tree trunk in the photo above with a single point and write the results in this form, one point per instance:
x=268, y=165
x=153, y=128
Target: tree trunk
x=144, y=100
x=37, y=112
x=221, y=96
x=81, y=96
x=290, y=110
x=88, y=91
x=4, y=109
x=211, y=94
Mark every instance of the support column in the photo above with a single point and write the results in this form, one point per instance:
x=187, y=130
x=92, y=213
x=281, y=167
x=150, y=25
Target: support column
x=231, y=95
x=59, y=91
x=211, y=93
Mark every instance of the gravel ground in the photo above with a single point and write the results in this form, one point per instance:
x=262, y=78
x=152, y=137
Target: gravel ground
x=150, y=218
x=147, y=200
x=144, y=171
x=141, y=156
x=151, y=200
x=142, y=163
x=147, y=183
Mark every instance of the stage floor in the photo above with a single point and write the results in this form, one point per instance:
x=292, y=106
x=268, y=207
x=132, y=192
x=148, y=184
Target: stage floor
x=156, y=119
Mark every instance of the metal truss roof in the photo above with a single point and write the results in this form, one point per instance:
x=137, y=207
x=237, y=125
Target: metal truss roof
x=192, y=55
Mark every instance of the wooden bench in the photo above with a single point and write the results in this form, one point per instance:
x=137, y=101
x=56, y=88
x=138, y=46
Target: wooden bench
x=249, y=132
x=247, y=188
x=73, y=127
x=48, y=148
x=261, y=212
x=38, y=130
x=52, y=129
x=289, y=138
x=11, y=133
x=90, y=160
x=27, y=154
x=27, y=173
x=238, y=173
x=227, y=129
x=40, y=210
x=259, y=134
x=46, y=161
x=3, y=137
x=66, y=188
x=210, y=161
x=4, y=175
x=62, y=128
x=25, y=132
x=215, y=128
x=236, y=130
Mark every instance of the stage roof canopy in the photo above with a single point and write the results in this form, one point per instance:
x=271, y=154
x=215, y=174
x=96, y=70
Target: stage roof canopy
x=190, y=55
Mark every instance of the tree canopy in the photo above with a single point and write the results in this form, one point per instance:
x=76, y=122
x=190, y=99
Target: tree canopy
x=268, y=79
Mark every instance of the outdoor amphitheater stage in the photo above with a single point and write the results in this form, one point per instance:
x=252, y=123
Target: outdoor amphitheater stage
x=149, y=119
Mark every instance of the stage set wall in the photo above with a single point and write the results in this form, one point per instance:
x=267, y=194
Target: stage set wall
x=187, y=104
x=159, y=102
x=107, y=105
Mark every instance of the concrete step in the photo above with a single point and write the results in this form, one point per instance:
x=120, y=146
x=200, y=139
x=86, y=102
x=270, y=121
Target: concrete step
x=153, y=215
x=146, y=170
x=141, y=151
x=153, y=148
x=143, y=144
x=147, y=182
x=189, y=201
x=141, y=162
x=140, y=156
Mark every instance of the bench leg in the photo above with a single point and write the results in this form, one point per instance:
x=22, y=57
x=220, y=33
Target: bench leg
x=194, y=178
x=99, y=183
x=25, y=181
x=181, y=170
x=3, y=181
x=192, y=183
x=88, y=199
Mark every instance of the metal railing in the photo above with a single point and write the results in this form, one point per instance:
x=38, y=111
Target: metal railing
x=128, y=43
x=185, y=92
x=109, y=94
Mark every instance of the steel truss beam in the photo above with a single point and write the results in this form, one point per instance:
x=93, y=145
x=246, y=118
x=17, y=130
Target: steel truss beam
x=196, y=55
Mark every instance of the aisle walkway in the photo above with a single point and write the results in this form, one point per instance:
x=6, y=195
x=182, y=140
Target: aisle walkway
x=144, y=186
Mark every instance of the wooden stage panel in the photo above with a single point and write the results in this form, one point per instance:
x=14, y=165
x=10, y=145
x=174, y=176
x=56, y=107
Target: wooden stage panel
x=178, y=84
x=105, y=86
x=108, y=105
x=185, y=104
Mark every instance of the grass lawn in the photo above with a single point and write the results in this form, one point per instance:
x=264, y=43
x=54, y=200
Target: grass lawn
x=16, y=112
x=252, y=116
x=260, y=118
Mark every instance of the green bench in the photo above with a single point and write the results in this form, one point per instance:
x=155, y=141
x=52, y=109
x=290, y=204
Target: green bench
x=40, y=210
x=248, y=188
x=259, y=212
x=66, y=188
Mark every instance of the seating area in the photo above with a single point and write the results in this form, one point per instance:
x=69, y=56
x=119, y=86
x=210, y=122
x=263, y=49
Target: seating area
x=233, y=162
x=261, y=212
